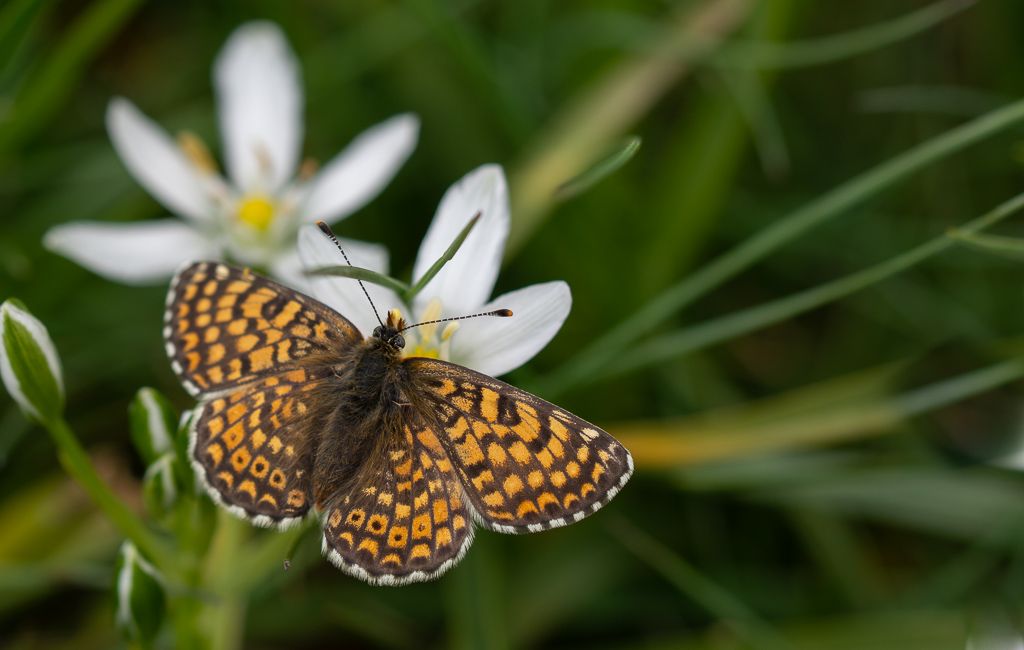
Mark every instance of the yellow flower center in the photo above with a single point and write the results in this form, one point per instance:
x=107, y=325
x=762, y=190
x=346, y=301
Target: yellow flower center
x=419, y=351
x=257, y=211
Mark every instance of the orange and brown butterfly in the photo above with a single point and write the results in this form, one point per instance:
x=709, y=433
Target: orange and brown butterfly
x=400, y=455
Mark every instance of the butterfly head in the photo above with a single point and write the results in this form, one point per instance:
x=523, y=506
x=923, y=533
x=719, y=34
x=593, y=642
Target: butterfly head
x=390, y=333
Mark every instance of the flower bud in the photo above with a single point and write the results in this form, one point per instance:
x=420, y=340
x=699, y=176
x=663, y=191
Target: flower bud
x=29, y=365
x=159, y=486
x=153, y=424
x=138, y=596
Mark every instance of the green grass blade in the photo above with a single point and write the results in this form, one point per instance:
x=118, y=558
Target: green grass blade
x=46, y=92
x=15, y=19
x=703, y=157
x=600, y=171
x=829, y=206
x=756, y=108
x=730, y=610
x=662, y=444
x=841, y=46
x=582, y=131
x=1011, y=247
x=721, y=329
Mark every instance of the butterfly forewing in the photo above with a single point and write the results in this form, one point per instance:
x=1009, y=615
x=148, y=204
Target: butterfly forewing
x=525, y=464
x=404, y=521
x=225, y=326
x=253, y=447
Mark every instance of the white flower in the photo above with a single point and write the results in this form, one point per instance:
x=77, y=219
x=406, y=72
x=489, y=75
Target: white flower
x=489, y=345
x=253, y=215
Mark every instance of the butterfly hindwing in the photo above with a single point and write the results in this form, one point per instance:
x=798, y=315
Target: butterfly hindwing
x=403, y=520
x=525, y=465
x=226, y=326
x=253, y=447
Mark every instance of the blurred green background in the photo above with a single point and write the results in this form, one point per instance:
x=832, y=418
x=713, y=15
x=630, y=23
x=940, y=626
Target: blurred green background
x=813, y=477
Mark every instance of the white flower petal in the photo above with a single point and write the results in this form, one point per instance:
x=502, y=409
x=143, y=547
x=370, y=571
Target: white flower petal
x=343, y=294
x=358, y=174
x=154, y=159
x=260, y=98
x=467, y=279
x=495, y=346
x=288, y=269
x=144, y=252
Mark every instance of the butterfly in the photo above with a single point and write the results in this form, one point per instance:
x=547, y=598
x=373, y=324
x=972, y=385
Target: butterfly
x=401, y=456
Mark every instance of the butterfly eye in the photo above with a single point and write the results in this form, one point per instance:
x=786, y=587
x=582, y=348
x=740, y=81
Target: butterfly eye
x=376, y=332
x=399, y=341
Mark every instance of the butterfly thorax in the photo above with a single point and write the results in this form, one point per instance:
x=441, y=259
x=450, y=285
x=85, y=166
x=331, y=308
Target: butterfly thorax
x=368, y=397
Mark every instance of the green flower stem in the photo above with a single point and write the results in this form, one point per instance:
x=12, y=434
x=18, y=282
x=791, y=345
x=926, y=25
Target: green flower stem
x=741, y=322
x=608, y=347
x=229, y=622
x=236, y=562
x=75, y=461
x=224, y=617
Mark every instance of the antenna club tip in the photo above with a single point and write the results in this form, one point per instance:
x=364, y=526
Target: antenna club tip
x=504, y=313
x=324, y=227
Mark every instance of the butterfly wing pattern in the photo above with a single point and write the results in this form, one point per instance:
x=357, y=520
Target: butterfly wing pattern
x=253, y=449
x=406, y=523
x=224, y=327
x=525, y=464
x=234, y=339
x=400, y=456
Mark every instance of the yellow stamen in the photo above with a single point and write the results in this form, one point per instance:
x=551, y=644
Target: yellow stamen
x=308, y=169
x=197, y=152
x=431, y=312
x=448, y=330
x=257, y=211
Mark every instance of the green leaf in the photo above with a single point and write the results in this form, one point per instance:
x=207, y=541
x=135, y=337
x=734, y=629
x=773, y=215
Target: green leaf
x=359, y=273
x=138, y=597
x=29, y=365
x=439, y=264
x=600, y=171
x=153, y=424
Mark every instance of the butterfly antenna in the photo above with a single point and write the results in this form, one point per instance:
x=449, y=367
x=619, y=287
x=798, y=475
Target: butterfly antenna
x=503, y=313
x=327, y=231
